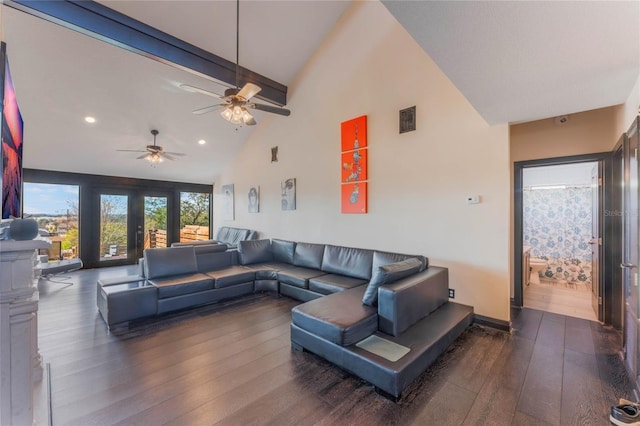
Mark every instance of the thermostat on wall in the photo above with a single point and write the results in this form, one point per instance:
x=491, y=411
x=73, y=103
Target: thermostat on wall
x=473, y=199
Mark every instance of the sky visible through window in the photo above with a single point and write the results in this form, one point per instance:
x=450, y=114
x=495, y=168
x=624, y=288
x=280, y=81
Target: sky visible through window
x=49, y=199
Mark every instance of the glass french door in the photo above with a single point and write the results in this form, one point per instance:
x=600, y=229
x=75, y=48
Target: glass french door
x=114, y=237
x=129, y=222
x=154, y=221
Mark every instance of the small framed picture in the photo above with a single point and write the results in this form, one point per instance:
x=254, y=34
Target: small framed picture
x=227, y=202
x=408, y=119
x=288, y=190
x=254, y=199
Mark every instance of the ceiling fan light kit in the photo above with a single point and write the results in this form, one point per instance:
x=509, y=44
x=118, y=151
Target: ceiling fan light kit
x=238, y=115
x=236, y=99
x=154, y=153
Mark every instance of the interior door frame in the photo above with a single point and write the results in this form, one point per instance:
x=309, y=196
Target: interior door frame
x=630, y=213
x=614, y=311
x=604, y=165
x=596, y=295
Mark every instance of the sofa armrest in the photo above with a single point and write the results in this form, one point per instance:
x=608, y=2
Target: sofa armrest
x=405, y=302
x=141, y=267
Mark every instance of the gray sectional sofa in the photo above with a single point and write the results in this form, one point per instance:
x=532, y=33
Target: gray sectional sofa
x=225, y=235
x=383, y=316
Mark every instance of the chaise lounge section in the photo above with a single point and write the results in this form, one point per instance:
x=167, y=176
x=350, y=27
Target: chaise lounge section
x=382, y=316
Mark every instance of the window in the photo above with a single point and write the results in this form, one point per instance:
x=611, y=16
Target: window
x=194, y=216
x=55, y=208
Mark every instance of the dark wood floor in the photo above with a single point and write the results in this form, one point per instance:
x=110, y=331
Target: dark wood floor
x=232, y=364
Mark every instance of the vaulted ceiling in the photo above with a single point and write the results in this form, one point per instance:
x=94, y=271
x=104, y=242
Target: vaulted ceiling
x=514, y=62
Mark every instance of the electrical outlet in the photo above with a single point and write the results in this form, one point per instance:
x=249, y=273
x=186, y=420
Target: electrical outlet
x=452, y=293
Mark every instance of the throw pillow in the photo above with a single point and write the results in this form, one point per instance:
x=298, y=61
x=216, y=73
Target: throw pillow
x=388, y=274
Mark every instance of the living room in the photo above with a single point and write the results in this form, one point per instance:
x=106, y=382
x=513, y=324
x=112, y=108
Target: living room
x=419, y=181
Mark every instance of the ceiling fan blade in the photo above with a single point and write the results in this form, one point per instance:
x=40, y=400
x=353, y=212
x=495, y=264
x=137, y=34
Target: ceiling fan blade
x=249, y=91
x=131, y=150
x=269, y=108
x=194, y=89
x=208, y=109
x=143, y=156
x=177, y=154
x=168, y=157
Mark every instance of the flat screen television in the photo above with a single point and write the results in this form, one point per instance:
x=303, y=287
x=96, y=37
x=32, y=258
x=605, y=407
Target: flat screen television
x=12, y=132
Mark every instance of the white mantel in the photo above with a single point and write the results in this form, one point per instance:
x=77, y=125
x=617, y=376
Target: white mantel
x=20, y=361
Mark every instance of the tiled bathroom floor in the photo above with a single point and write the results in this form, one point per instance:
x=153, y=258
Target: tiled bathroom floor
x=560, y=298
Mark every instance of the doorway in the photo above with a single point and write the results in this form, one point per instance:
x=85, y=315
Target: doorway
x=561, y=238
x=130, y=221
x=574, y=271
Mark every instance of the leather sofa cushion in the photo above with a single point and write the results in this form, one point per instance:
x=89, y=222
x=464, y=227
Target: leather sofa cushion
x=232, y=236
x=353, y=262
x=283, y=250
x=194, y=243
x=178, y=285
x=297, y=276
x=163, y=262
x=340, y=318
x=254, y=251
x=308, y=255
x=332, y=283
x=388, y=274
x=381, y=258
x=268, y=270
x=231, y=276
x=209, y=248
x=213, y=261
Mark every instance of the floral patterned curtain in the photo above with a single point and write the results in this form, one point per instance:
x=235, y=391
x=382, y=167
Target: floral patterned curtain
x=557, y=226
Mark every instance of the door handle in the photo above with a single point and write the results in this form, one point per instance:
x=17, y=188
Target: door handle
x=591, y=242
x=628, y=265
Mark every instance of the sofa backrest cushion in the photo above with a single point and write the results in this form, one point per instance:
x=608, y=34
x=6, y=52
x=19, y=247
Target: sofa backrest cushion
x=232, y=236
x=163, y=262
x=283, y=250
x=308, y=255
x=388, y=274
x=381, y=258
x=194, y=243
x=353, y=262
x=209, y=248
x=254, y=251
x=209, y=261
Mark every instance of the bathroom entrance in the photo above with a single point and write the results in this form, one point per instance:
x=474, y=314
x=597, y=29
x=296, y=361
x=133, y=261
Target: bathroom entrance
x=561, y=238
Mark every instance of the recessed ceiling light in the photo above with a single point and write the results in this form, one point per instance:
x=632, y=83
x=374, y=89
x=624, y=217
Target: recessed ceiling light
x=202, y=141
x=89, y=119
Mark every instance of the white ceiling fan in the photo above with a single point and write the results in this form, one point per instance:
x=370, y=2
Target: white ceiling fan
x=237, y=100
x=154, y=153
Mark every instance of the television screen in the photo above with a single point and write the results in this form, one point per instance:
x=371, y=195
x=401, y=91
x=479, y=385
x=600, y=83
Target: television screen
x=12, y=128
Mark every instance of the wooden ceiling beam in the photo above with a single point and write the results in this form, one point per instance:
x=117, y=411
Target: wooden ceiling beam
x=98, y=21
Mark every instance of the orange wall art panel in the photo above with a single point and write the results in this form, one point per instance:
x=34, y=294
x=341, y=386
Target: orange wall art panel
x=354, y=197
x=354, y=133
x=354, y=165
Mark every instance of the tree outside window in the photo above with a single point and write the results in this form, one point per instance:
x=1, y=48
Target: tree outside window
x=194, y=216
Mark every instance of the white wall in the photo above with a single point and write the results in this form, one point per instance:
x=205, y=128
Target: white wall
x=418, y=181
x=628, y=111
x=563, y=174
